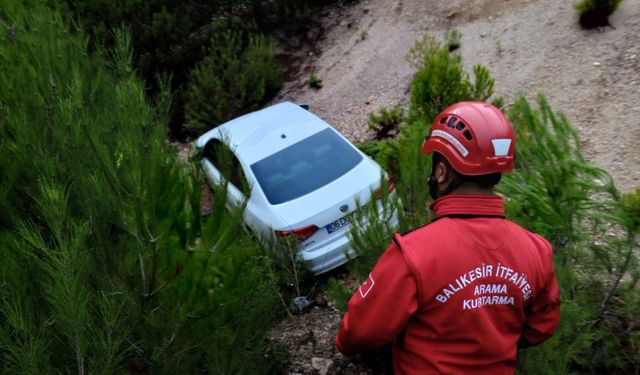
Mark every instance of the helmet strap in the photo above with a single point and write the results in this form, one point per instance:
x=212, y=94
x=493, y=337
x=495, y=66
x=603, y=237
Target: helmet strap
x=455, y=182
x=433, y=186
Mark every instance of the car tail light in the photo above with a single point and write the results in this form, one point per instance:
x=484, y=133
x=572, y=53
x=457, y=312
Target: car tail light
x=300, y=233
x=379, y=193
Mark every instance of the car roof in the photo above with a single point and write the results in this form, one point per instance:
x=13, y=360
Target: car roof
x=259, y=134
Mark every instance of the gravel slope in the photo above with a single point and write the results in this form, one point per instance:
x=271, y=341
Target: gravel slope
x=529, y=46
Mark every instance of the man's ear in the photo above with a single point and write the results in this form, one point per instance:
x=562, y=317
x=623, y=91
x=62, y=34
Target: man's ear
x=441, y=173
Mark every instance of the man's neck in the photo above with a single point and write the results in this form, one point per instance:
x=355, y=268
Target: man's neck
x=472, y=189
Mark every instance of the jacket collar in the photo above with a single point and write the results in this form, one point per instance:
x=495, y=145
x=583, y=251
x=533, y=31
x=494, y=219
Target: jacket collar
x=468, y=206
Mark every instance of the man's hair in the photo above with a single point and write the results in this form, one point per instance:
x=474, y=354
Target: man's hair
x=485, y=181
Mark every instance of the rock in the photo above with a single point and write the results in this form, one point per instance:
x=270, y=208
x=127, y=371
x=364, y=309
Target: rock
x=596, y=64
x=299, y=304
x=322, y=365
x=368, y=100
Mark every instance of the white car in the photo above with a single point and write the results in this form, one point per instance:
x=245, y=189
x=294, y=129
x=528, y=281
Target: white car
x=298, y=176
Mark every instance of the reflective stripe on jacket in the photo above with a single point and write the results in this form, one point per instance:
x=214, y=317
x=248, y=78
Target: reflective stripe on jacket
x=458, y=295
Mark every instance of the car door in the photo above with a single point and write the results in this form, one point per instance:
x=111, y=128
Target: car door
x=224, y=165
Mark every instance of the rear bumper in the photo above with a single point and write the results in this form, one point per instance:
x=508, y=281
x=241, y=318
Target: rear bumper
x=335, y=253
x=330, y=256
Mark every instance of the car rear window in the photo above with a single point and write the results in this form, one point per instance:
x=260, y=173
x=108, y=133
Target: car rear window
x=305, y=166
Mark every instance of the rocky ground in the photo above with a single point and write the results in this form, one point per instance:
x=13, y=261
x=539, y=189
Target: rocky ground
x=530, y=47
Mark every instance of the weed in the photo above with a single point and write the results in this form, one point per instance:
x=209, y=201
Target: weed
x=440, y=80
x=387, y=122
x=339, y=293
x=595, y=13
x=314, y=82
x=452, y=39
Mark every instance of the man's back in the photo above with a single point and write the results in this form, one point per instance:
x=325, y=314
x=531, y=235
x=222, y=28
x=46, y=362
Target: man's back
x=482, y=284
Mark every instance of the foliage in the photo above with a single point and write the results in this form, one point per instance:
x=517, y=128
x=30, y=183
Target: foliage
x=440, y=80
x=373, y=230
x=452, y=38
x=630, y=207
x=557, y=194
x=383, y=152
x=108, y=266
x=387, y=122
x=230, y=80
x=171, y=38
x=339, y=293
x=552, y=172
x=314, y=82
x=595, y=13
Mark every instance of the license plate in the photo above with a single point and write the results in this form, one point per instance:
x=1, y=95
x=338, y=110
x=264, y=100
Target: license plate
x=342, y=222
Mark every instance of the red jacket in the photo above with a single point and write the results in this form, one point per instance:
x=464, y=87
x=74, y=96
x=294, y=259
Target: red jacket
x=458, y=295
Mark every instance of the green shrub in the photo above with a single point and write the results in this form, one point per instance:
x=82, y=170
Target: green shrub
x=108, y=266
x=630, y=207
x=314, y=82
x=575, y=205
x=440, y=80
x=232, y=79
x=386, y=123
x=595, y=13
x=373, y=231
x=170, y=38
x=384, y=152
x=452, y=38
x=339, y=293
x=553, y=182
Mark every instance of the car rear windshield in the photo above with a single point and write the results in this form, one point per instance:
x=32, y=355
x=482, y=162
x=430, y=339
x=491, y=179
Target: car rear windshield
x=305, y=166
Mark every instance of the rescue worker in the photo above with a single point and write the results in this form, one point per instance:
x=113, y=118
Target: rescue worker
x=460, y=294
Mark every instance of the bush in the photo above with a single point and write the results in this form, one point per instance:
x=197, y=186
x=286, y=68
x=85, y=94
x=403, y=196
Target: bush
x=314, y=82
x=595, y=13
x=171, y=37
x=387, y=122
x=373, y=232
x=440, y=80
x=107, y=265
x=231, y=80
x=575, y=205
x=552, y=174
x=339, y=293
x=452, y=38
